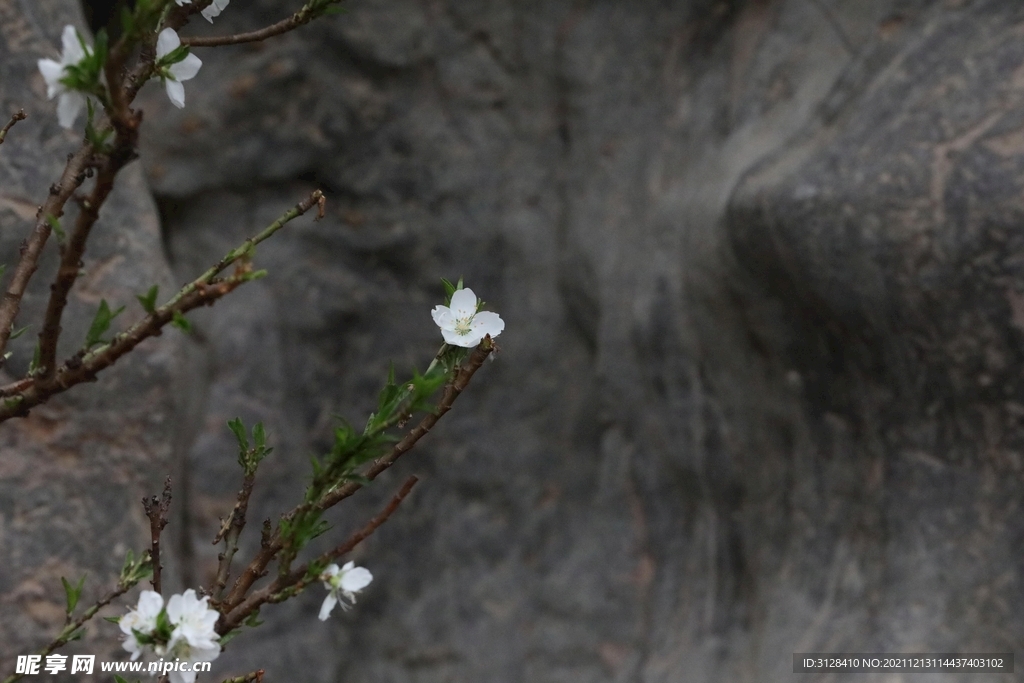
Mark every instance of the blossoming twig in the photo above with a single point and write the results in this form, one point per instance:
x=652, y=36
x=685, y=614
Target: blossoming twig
x=275, y=543
x=309, y=12
x=289, y=585
x=156, y=510
x=19, y=116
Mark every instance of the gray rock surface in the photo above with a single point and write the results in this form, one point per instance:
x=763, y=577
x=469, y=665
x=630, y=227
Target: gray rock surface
x=759, y=390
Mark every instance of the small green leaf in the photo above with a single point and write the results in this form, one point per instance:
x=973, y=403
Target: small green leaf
x=77, y=635
x=238, y=429
x=100, y=324
x=17, y=333
x=181, y=322
x=148, y=300
x=113, y=620
x=229, y=636
x=72, y=593
x=33, y=365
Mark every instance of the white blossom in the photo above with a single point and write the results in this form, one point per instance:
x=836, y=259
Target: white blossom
x=460, y=322
x=212, y=10
x=193, y=637
x=71, y=102
x=187, y=68
x=346, y=581
x=142, y=619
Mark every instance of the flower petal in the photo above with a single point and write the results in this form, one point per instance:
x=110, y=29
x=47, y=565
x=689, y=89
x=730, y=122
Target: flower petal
x=443, y=317
x=52, y=73
x=215, y=8
x=72, y=46
x=150, y=604
x=186, y=68
x=68, y=107
x=463, y=303
x=356, y=579
x=486, y=322
x=176, y=93
x=167, y=42
x=329, y=602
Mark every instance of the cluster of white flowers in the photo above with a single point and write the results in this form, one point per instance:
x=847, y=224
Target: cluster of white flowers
x=215, y=8
x=462, y=324
x=184, y=630
x=74, y=50
x=345, y=582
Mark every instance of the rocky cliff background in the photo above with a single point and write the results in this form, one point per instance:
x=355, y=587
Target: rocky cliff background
x=760, y=387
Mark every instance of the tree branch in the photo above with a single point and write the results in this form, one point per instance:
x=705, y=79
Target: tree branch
x=19, y=116
x=296, y=581
x=70, y=180
x=269, y=550
x=156, y=510
x=300, y=18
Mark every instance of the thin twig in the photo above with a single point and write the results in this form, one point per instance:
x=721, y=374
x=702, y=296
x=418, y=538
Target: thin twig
x=303, y=16
x=19, y=116
x=69, y=631
x=122, y=152
x=296, y=580
x=272, y=546
x=229, y=532
x=70, y=180
x=204, y=290
x=156, y=510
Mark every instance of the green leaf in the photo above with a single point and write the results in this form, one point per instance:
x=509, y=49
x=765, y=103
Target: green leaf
x=100, y=324
x=113, y=620
x=77, y=635
x=179, y=321
x=33, y=365
x=118, y=679
x=148, y=300
x=72, y=593
x=17, y=333
x=229, y=636
x=238, y=429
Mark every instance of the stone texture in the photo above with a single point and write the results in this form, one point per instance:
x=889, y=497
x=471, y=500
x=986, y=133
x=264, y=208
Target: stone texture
x=759, y=387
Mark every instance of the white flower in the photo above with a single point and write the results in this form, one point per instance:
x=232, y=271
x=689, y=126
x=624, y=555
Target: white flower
x=142, y=619
x=462, y=325
x=187, y=68
x=71, y=102
x=193, y=637
x=212, y=10
x=194, y=622
x=347, y=581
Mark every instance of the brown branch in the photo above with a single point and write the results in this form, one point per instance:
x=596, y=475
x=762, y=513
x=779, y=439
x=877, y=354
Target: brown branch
x=72, y=252
x=295, y=581
x=258, y=566
x=156, y=510
x=230, y=531
x=204, y=290
x=19, y=116
x=300, y=18
x=70, y=180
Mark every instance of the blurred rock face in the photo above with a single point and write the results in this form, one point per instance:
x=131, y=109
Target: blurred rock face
x=759, y=390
